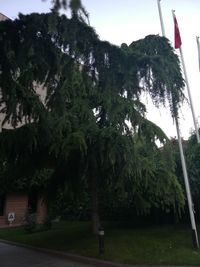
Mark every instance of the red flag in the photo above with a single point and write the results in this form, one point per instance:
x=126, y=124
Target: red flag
x=177, y=36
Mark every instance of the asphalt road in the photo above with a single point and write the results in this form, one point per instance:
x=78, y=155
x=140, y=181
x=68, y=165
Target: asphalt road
x=13, y=256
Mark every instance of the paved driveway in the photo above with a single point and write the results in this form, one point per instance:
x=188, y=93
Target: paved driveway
x=13, y=256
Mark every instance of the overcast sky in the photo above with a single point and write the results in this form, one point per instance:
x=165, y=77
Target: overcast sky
x=120, y=21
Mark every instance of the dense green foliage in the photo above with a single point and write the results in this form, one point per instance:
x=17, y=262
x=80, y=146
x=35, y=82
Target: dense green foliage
x=192, y=153
x=90, y=130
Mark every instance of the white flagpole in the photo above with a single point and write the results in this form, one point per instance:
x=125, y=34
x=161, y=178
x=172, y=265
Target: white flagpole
x=183, y=163
x=188, y=191
x=188, y=90
x=198, y=47
x=161, y=18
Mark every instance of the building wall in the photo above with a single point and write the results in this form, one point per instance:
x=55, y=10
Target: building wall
x=3, y=17
x=3, y=221
x=18, y=203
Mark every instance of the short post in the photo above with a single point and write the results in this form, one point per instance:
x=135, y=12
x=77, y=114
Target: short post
x=101, y=241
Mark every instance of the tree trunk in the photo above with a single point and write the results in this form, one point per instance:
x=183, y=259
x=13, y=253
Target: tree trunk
x=94, y=210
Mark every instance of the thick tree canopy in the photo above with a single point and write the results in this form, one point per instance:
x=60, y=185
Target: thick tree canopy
x=55, y=51
x=91, y=122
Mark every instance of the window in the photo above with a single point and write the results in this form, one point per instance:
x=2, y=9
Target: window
x=2, y=205
x=32, y=202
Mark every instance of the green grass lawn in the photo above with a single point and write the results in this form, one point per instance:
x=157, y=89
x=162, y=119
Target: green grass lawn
x=141, y=245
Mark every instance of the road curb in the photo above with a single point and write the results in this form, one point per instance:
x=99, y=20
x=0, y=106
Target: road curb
x=82, y=259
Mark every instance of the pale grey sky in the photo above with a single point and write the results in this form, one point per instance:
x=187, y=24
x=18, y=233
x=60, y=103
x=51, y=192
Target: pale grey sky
x=121, y=21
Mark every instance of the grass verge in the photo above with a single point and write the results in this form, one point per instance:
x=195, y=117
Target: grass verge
x=142, y=245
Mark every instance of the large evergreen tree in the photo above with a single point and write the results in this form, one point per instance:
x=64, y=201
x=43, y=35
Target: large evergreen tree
x=91, y=124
